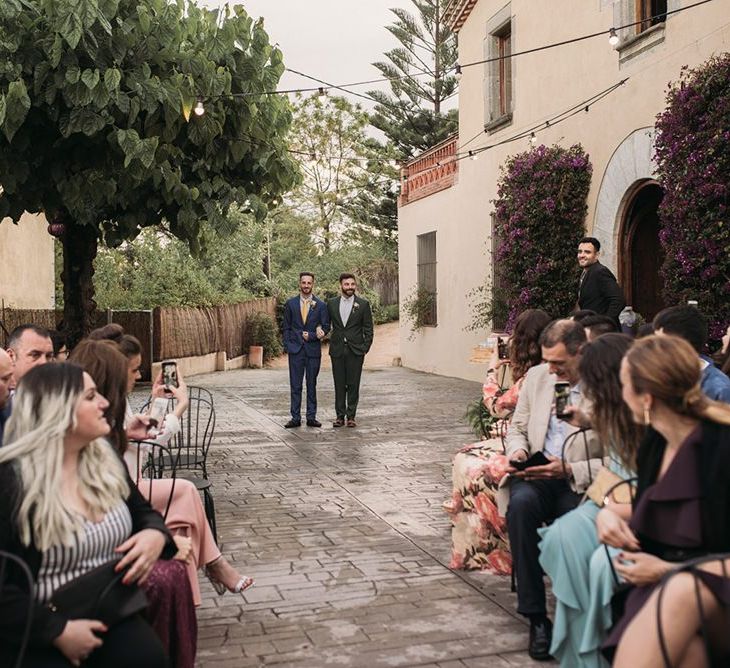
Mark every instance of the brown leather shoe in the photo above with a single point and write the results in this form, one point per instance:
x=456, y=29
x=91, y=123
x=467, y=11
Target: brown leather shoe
x=351, y=423
x=339, y=422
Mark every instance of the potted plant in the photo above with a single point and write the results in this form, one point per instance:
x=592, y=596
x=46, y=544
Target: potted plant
x=262, y=338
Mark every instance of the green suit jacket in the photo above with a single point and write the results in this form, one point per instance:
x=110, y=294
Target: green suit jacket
x=357, y=335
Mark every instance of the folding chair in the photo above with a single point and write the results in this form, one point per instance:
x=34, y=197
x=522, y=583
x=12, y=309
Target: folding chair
x=8, y=560
x=155, y=462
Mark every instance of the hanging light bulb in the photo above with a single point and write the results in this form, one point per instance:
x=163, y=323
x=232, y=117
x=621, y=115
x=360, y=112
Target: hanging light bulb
x=321, y=91
x=473, y=156
x=457, y=71
x=612, y=37
x=533, y=139
x=199, y=108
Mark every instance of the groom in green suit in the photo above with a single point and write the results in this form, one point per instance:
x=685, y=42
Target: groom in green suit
x=350, y=340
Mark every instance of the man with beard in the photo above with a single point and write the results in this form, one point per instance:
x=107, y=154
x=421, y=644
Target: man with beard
x=306, y=321
x=597, y=287
x=351, y=338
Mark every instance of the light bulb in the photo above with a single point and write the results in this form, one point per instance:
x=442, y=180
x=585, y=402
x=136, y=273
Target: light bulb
x=199, y=108
x=612, y=37
x=533, y=139
x=321, y=91
x=473, y=156
x=457, y=71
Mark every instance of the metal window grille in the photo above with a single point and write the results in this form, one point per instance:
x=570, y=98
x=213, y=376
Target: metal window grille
x=426, y=262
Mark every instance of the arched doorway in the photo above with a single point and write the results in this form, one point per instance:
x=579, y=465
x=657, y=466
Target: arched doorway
x=641, y=255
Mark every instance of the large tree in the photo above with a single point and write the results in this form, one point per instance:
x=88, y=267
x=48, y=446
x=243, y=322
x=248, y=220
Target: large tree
x=96, y=129
x=334, y=153
x=422, y=79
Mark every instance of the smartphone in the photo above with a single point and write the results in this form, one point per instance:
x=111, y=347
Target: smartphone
x=502, y=352
x=562, y=399
x=536, y=459
x=158, y=410
x=169, y=373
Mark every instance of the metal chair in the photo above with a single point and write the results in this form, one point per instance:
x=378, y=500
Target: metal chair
x=155, y=462
x=18, y=563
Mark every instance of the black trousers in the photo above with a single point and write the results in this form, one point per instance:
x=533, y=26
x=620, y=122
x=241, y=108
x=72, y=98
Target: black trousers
x=131, y=643
x=531, y=504
x=346, y=372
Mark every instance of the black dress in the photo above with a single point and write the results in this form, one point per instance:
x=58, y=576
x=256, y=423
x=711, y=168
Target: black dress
x=668, y=521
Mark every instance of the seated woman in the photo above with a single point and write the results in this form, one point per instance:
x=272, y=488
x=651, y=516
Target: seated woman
x=682, y=505
x=185, y=515
x=693, y=622
x=479, y=537
x=570, y=553
x=171, y=611
x=68, y=506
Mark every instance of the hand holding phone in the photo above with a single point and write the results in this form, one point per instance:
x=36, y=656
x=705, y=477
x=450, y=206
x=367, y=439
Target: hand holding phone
x=169, y=373
x=536, y=459
x=502, y=351
x=562, y=399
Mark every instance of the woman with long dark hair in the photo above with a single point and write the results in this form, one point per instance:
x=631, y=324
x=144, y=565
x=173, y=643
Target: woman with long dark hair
x=68, y=506
x=570, y=552
x=478, y=468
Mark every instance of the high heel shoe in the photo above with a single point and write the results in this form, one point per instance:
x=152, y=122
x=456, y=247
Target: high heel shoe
x=241, y=586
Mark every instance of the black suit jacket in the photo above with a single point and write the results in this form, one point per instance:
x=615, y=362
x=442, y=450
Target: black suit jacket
x=357, y=335
x=600, y=292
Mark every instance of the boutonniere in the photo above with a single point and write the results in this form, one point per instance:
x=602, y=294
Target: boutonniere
x=355, y=305
x=313, y=305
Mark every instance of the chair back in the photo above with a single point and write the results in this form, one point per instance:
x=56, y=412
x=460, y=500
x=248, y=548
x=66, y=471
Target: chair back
x=196, y=431
x=10, y=561
x=155, y=462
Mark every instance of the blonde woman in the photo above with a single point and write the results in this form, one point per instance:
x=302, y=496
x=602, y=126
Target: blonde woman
x=68, y=506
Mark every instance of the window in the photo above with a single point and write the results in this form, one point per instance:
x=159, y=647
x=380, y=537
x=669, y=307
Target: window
x=426, y=260
x=504, y=76
x=650, y=13
x=499, y=89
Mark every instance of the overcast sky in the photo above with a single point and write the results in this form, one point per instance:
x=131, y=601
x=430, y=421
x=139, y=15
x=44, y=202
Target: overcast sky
x=333, y=40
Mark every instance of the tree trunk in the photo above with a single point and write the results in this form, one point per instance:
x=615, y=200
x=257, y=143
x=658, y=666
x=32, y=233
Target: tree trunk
x=79, y=251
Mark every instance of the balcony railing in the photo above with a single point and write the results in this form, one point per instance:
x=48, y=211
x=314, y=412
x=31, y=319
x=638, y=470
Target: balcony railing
x=432, y=171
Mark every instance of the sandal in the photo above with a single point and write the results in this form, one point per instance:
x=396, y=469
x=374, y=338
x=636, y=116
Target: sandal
x=241, y=586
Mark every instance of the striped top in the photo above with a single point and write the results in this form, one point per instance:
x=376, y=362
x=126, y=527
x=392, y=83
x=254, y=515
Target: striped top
x=91, y=547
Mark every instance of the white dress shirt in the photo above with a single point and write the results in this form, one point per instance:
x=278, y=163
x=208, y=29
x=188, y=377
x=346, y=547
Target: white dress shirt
x=346, y=304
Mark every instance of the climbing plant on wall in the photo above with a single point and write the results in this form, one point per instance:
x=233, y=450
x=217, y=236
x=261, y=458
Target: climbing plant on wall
x=694, y=169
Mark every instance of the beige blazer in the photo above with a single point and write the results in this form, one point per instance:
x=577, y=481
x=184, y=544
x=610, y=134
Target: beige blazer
x=529, y=425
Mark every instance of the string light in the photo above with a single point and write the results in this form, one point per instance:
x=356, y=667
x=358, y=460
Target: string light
x=457, y=71
x=472, y=155
x=533, y=139
x=199, y=107
x=321, y=91
x=612, y=37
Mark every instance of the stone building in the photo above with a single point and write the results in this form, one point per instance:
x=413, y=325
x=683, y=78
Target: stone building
x=445, y=210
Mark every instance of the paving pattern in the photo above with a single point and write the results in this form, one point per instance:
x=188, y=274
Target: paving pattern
x=344, y=533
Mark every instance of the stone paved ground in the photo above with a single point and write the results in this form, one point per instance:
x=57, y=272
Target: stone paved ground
x=344, y=533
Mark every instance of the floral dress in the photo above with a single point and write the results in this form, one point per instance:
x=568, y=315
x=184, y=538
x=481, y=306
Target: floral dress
x=479, y=533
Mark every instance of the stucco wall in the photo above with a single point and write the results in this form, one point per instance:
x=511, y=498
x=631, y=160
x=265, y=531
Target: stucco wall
x=26, y=263
x=545, y=84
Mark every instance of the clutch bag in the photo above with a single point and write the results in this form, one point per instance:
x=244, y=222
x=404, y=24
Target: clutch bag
x=99, y=594
x=607, y=485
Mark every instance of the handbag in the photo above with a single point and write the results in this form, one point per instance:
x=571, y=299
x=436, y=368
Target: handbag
x=99, y=594
x=608, y=485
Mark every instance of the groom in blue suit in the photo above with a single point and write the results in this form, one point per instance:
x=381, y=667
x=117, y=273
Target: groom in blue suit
x=306, y=321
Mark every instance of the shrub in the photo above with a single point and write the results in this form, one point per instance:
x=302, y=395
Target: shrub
x=694, y=169
x=261, y=330
x=540, y=212
x=418, y=309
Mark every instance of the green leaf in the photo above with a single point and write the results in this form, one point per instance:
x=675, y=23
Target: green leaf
x=90, y=78
x=17, y=106
x=112, y=79
x=73, y=74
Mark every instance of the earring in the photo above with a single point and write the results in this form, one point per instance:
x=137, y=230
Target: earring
x=647, y=416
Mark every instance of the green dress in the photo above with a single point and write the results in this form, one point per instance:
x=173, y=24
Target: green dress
x=582, y=582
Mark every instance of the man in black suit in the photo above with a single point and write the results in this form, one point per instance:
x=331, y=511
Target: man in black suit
x=351, y=338
x=597, y=290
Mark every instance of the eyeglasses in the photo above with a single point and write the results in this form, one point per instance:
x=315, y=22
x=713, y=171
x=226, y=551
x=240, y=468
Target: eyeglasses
x=62, y=355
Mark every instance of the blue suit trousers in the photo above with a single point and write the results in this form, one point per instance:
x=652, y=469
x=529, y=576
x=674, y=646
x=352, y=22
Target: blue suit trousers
x=300, y=366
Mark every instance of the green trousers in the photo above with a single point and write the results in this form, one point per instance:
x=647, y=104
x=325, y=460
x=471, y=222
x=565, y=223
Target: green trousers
x=346, y=371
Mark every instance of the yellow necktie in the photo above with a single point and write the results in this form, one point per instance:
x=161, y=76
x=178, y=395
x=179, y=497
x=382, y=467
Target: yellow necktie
x=304, y=308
